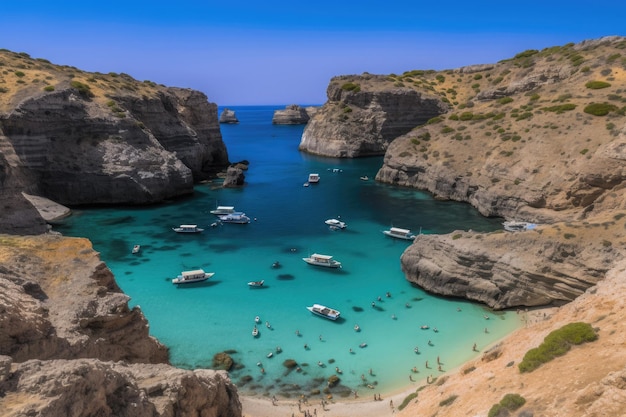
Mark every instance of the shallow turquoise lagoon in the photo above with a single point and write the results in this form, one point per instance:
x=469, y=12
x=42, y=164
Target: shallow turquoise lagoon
x=199, y=320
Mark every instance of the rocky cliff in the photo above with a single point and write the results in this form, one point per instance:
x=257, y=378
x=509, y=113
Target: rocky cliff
x=91, y=138
x=69, y=339
x=364, y=114
x=538, y=137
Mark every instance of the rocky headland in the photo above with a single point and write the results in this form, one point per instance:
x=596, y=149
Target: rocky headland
x=90, y=138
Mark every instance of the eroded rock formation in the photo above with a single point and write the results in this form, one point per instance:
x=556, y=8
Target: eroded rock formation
x=364, y=114
x=91, y=138
x=291, y=115
x=228, y=116
x=549, y=265
x=72, y=346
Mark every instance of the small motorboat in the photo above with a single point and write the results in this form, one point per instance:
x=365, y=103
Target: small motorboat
x=364, y=178
x=425, y=327
x=136, y=249
x=362, y=345
x=276, y=264
x=322, y=260
x=357, y=328
x=189, y=277
x=257, y=319
x=399, y=233
x=188, y=228
x=256, y=284
x=336, y=224
x=269, y=355
x=323, y=311
x=255, y=332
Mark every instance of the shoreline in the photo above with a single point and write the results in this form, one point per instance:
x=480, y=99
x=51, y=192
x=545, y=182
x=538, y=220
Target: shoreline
x=365, y=405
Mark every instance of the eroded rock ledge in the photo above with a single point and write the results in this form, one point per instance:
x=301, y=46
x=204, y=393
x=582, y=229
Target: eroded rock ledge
x=550, y=265
x=72, y=343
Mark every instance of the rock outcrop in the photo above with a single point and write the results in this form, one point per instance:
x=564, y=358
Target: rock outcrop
x=228, y=116
x=549, y=265
x=89, y=387
x=364, y=114
x=72, y=346
x=291, y=115
x=85, y=138
x=234, y=177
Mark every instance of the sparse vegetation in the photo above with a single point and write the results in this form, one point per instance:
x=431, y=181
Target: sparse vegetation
x=596, y=85
x=509, y=403
x=448, y=401
x=351, y=87
x=599, y=109
x=557, y=343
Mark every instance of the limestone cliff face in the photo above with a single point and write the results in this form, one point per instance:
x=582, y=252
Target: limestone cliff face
x=72, y=346
x=89, y=138
x=525, y=142
x=60, y=301
x=364, y=114
x=550, y=265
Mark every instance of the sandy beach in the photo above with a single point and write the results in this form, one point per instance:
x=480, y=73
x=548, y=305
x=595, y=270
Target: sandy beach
x=365, y=405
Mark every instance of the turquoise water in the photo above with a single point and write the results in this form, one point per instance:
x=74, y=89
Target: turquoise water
x=199, y=320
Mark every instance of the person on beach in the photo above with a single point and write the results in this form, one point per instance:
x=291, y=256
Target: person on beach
x=474, y=348
x=427, y=364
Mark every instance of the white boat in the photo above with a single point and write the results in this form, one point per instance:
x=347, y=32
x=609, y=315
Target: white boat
x=336, y=223
x=400, y=233
x=236, y=217
x=322, y=260
x=187, y=277
x=323, y=311
x=364, y=178
x=314, y=178
x=255, y=332
x=187, y=228
x=136, y=248
x=256, y=283
x=221, y=210
x=517, y=226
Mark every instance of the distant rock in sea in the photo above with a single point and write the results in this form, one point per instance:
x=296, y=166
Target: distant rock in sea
x=293, y=115
x=228, y=116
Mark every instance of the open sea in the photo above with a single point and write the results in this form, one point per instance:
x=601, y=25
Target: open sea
x=196, y=321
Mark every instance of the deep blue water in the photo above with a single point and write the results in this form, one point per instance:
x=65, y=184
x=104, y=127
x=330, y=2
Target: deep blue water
x=199, y=320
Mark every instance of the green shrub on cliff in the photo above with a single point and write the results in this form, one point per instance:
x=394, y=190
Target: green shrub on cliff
x=599, y=109
x=351, y=87
x=557, y=343
x=510, y=402
x=596, y=85
x=83, y=89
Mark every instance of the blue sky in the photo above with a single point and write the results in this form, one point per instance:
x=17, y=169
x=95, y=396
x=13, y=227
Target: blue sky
x=285, y=52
